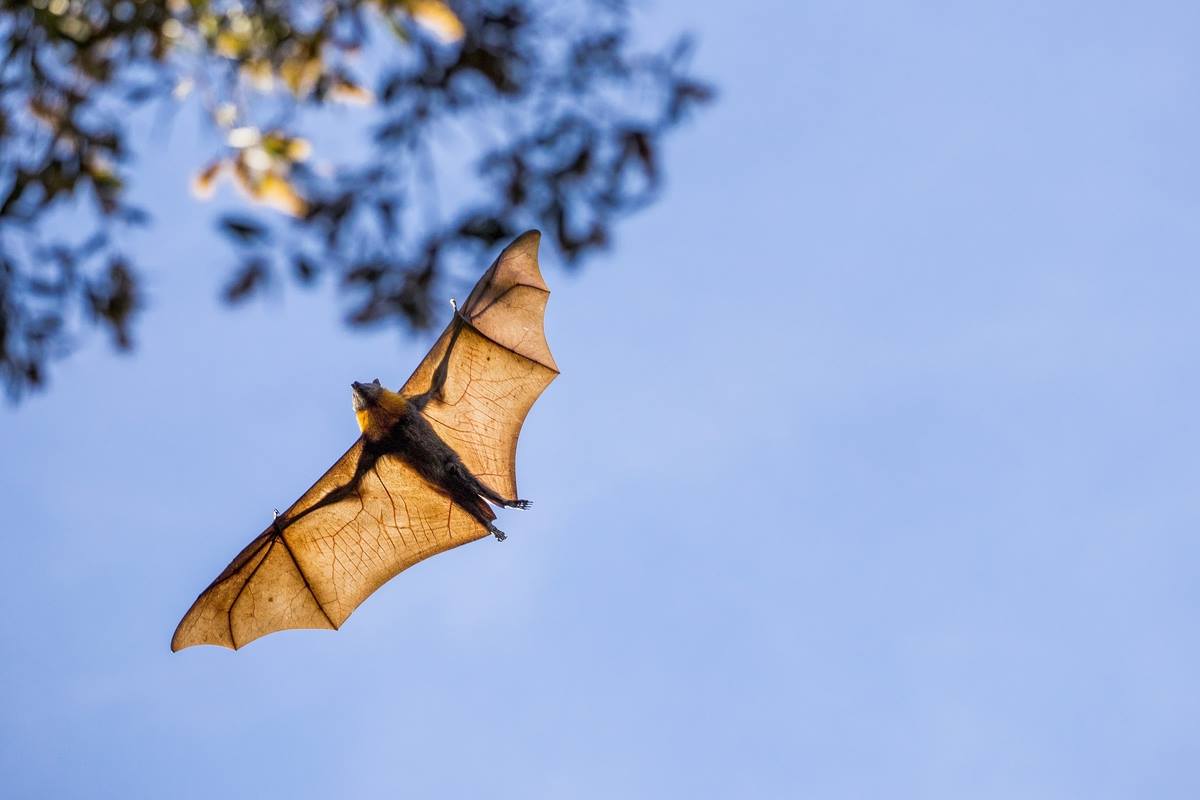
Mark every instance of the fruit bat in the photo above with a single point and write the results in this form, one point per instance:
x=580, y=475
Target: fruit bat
x=420, y=479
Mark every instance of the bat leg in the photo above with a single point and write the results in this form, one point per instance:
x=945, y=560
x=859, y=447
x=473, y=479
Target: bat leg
x=499, y=534
x=503, y=502
x=483, y=490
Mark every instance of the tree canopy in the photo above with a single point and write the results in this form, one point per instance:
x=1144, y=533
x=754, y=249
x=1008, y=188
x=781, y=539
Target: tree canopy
x=558, y=120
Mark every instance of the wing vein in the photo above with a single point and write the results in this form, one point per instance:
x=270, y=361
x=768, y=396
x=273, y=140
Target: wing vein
x=484, y=307
x=505, y=348
x=242, y=588
x=304, y=578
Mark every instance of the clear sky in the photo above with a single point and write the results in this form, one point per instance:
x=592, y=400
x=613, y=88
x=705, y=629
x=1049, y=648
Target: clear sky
x=871, y=472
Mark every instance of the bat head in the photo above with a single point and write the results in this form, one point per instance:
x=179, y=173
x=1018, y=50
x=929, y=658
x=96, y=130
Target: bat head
x=366, y=394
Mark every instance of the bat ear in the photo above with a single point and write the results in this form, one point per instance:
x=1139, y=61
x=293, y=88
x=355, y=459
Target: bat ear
x=376, y=382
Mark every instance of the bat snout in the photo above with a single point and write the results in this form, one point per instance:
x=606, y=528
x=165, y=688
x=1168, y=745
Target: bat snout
x=365, y=394
x=362, y=394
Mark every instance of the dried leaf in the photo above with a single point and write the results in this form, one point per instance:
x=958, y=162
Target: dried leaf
x=244, y=229
x=436, y=17
x=205, y=181
x=346, y=91
x=278, y=192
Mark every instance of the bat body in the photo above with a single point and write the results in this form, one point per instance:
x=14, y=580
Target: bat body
x=418, y=481
x=393, y=425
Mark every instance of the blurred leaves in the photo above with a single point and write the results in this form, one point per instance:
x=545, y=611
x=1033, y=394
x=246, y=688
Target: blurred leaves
x=522, y=114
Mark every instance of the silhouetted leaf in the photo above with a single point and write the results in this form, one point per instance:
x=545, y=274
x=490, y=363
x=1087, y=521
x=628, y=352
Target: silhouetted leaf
x=563, y=117
x=306, y=271
x=487, y=228
x=244, y=229
x=250, y=277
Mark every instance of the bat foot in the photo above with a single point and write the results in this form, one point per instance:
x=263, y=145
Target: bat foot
x=499, y=534
x=520, y=504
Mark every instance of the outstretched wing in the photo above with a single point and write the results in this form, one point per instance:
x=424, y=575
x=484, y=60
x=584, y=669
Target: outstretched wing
x=370, y=517
x=362, y=523
x=489, y=366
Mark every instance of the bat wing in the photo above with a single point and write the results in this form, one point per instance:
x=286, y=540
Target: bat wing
x=489, y=366
x=370, y=517
x=363, y=522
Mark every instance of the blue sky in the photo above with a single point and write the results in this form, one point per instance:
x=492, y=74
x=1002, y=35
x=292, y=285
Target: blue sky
x=870, y=473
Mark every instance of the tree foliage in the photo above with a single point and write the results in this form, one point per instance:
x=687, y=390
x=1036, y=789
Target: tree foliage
x=546, y=113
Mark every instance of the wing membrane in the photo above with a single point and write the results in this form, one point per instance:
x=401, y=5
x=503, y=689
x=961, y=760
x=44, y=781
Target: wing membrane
x=370, y=517
x=494, y=363
x=320, y=561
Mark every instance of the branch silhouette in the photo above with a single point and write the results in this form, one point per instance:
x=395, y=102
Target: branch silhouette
x=557, y=122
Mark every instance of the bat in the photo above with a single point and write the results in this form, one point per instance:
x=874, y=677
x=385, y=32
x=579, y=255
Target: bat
x=432, y=459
